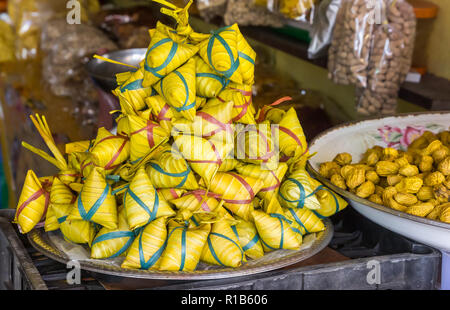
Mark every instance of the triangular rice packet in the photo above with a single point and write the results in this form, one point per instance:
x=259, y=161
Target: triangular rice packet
x=74, y=231
x=51, y=222
x=133, y=90
x=170, y=194
x=229, y=164
x=296, y=191
x=222, y=246
x=247, y=57
x=248, y=238
x=237, y=191
x=291, y=136
x=271, y=178
x=109, y=243
x=215, y=122
x=178, y=89
x=196, y=200
x=184, y=247
x=204, y=156
x=144, y=135
x=142, y=202
x=170, y=170
x=208, y=82
x=220, y=52
x=163, y=56
x=304, y=220
x=162, y=111
x=95, y=203
x=330, y=202
x=109, y=150
x=33, y=203
x=146, y=250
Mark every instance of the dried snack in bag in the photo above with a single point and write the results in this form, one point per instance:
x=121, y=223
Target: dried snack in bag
x=109, y=243
x=184, y=246
x=146, y=250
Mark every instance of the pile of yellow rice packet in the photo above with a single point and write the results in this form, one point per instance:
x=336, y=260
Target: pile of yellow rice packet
x=193, y=173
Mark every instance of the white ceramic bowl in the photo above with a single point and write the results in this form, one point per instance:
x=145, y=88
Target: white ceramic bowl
x=395, y=131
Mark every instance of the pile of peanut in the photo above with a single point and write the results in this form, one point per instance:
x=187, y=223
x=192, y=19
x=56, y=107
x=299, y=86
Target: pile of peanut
x=415, y=181
x=372, y=48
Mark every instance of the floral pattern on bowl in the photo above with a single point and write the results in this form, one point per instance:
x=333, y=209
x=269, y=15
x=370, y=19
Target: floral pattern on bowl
x=401, y=138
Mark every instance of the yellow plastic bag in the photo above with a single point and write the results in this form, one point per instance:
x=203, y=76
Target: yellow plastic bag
x=204, y=156
x=113, y=242
x=248, y=238
x=237, y=192
x=142, y=202
x=144, y=135
x=146, y=250
x=178, y=89
x=208, y=82
x=297, y=192
x=32, y=205
x=330, y=202
x=95, y=203
x=170, y=170
x=163, y=56
x=109, y=150
x=184, y=247
x=220, y=52
x=271, y=178
x=222, y=246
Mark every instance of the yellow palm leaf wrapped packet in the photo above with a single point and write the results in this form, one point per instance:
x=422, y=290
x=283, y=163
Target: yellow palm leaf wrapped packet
x=196, y=200
x=247, y=57
x=330, y=202
x=170, y=170
x=228, y=164
x=78, y=146
x=170, y=194
x=74, y=231
x=241, y=96
x=297, y=191
x=178, y=89
x=222, y=246
x=271, y=178
x=163, y=56
x=144, y=135
x=304, y=220
x=162, y=111
x=32, y=205
x=208, y=82
x=271, y=113
x=142, y=202
x=292, y=139
x=220, y=52
x=51, y=222
x=237, y=192
x=248, y=238
x=95, y=203
x=204, y=156
x=113, y=242
x=109, y=150
x=60, y=194
x=257, y=144
x=133, y=90
x=146, y=250
x=214, y=122
x=184, y=247
x=275, y=231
